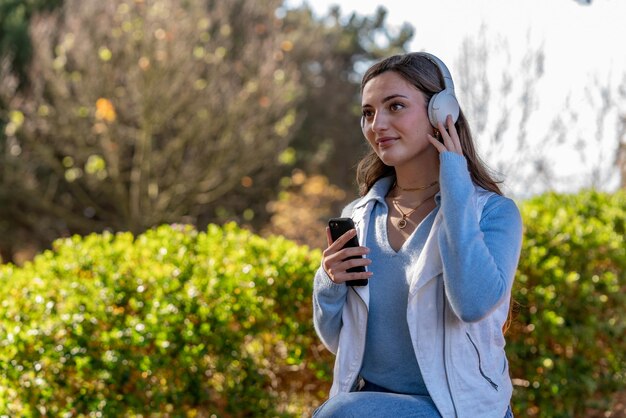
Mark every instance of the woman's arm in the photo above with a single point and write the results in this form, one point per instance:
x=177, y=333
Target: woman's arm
x=479, y=257
x=328, y=301
x=329, y=289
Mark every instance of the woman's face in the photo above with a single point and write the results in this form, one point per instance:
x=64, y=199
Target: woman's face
x=395, y=120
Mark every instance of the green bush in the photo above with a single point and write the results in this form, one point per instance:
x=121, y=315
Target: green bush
x=177, y=322
x=173, y=322
x=567, y=346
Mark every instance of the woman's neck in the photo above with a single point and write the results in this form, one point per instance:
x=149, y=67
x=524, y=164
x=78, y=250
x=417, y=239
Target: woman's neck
x=417, y=174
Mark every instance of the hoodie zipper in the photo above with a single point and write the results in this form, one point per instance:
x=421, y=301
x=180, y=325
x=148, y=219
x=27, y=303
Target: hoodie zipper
x=480, y=366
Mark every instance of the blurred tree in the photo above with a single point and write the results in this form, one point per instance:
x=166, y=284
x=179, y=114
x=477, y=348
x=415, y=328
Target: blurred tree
x=503, y=110
x=142, y=113
x=620, y=154
x=620, y=159
x=592, y=135
x=14, y=19
x=15, y=51
x=331, y=51
x=500, y=109
x=334, y=51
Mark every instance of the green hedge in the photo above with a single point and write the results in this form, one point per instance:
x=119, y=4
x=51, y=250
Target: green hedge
x=567, y=346
x=170, y=323
x=177, y=322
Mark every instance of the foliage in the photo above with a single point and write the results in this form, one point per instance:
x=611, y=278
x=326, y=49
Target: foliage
x=180, y=323
x=15, y=52
x=141, y=113
x=302, y=209
x=567, y=346
x=14, y=19
x=334, y=52
x=172, y=323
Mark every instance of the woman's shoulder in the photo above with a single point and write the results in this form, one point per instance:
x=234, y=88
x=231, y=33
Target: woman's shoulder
x=501, y=207
x=378, y=191
x=349, y=208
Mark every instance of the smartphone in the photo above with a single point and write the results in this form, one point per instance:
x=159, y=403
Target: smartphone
x=338, y=227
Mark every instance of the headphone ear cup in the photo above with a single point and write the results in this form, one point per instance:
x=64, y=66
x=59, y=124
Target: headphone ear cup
x=440, y=106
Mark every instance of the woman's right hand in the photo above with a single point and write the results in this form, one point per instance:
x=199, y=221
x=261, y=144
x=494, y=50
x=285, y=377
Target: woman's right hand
x=334, y=258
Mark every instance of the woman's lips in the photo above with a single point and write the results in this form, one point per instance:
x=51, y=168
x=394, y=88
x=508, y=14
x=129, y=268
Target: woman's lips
x=385, y=142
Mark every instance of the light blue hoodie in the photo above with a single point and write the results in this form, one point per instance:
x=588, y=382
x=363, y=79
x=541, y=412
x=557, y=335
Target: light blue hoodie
x=457, y=302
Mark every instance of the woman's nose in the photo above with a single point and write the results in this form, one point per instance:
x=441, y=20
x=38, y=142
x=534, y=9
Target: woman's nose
x=379, y=123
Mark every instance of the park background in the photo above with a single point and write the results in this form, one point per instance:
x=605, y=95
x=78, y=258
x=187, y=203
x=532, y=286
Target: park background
x=168, y=167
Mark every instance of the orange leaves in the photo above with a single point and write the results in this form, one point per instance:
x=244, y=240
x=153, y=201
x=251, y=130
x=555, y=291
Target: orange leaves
x=286, y=46
x=105, y=110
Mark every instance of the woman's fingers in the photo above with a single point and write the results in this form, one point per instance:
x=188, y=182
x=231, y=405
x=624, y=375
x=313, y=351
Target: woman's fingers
x=345, y=258
x=437, y=144
x=329, y=238
x=337, y=260
x=338, y=273
x=449, y=136
x=342, y=240
x=454, y=135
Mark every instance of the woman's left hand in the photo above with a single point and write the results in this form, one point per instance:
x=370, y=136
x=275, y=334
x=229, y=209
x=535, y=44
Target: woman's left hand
x=449, y=136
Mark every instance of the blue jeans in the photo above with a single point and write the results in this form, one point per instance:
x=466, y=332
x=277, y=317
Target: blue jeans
x=377, y=404
x=374, y=401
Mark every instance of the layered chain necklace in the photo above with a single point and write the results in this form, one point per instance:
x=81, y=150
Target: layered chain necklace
x=402, y=223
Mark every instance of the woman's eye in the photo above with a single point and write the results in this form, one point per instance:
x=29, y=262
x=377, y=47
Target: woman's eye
x=396, y=106
x=368, y=114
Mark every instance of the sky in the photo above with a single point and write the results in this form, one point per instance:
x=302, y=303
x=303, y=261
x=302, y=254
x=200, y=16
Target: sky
x=583, y=47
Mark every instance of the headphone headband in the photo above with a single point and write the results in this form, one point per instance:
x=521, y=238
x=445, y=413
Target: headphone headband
x=445, y=73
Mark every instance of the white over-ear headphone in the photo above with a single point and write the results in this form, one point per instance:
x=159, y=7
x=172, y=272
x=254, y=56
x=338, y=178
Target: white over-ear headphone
x=443, y=103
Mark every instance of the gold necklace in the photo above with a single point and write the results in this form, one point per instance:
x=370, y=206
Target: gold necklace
x=402, y=223
x=428, y=186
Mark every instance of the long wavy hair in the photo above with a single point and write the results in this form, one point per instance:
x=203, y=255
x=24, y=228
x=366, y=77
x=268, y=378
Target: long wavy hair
x=422, y=73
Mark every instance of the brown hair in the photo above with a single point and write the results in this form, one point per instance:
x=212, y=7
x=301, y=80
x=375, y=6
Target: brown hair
x=424, y=75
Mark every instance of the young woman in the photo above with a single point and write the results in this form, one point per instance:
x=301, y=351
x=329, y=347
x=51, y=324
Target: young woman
x=440, y=243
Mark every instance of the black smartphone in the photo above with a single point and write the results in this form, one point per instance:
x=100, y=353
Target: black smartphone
x=338, y=227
